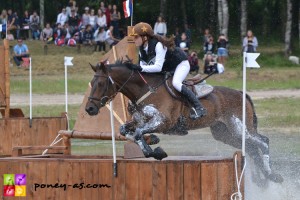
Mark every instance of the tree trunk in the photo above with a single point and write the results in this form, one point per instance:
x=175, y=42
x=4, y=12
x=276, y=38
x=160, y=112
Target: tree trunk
x=162, y=8
x=42, y=13
x=212, y=15
x=225, y=15
x=184, y=17
x=243, y=18
x=287, y=49
x=220, y=17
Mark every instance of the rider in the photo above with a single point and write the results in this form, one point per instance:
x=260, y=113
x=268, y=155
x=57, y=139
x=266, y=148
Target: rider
x=158, y=54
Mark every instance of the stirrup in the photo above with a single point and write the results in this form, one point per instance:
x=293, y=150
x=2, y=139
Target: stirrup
x=196, y=114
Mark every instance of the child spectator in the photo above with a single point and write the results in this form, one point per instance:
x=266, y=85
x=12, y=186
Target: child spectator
x=88, y=36
x=184, y=43
x=100, y=39
x=109, y=38
x=47, y=33
x=209, y=46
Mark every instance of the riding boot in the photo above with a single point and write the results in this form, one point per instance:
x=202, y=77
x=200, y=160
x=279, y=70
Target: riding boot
x=198, y=110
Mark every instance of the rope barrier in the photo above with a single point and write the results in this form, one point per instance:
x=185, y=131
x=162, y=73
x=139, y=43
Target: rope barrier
x=238, y=195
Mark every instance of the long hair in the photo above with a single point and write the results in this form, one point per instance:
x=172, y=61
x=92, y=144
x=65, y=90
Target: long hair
x=168, y=42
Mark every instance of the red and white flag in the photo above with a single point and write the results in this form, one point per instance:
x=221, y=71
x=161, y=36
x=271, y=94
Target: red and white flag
x=127, y=7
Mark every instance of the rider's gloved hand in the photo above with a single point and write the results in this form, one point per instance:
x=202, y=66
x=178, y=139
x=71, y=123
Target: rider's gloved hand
x=136, y=67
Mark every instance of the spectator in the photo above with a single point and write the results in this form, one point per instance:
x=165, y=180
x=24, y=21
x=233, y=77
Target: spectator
x=206, y=37
x=59, y=32
x=101, y=19
x=177, y=36
x=93, y=19
x=73, y=20
x=115, y=18
x=26, y=22
x=250, y=43
x=85, y=17
x=69, y=8
x=222, y=49
x=184, y=43
x=3, y=21
x=47, y=33
x=35, y=25
x=102, y=7
x=18, y=23
x=209, y=46
x=209, y=64
x=160, y=27
x=68, y=32
x=80, y=35
x=20, y=51
x=62, y=17
x=108, y=15
x=188, y=32
x=88, y=35
x=109, y=38
x=99, y=36
x=11, y=20
x=193, y=60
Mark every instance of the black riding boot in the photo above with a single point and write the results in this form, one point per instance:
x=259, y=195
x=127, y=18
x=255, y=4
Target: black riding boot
x=198, y=110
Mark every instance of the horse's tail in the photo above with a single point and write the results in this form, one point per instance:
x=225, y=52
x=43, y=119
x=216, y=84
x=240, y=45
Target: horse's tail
x=254, y=114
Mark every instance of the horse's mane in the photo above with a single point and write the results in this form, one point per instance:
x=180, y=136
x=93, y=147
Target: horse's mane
x=121, y=62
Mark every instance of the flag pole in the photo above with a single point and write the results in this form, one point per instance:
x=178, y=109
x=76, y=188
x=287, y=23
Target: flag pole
x=30, y=93
x=244, y=105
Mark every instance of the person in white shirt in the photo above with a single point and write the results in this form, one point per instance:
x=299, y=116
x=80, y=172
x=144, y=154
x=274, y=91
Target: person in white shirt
x=109, y=38
x=160, y=27
x=62, y=17
x=158, y=54
x=93, y=19
x=101, y=19
x=99, y=36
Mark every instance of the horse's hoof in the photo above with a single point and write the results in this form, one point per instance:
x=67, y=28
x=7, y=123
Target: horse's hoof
x=159, y=153
x=277, y=178
x=152, y=139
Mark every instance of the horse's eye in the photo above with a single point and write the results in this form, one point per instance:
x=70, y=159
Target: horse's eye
x=90, y=85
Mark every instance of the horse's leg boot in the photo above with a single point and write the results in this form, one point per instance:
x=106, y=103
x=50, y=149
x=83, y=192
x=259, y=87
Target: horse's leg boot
x=198, y=110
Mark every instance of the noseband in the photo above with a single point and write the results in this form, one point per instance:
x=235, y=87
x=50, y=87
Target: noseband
x=105, y=99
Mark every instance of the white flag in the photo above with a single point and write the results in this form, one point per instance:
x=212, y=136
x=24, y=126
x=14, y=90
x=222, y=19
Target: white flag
x=0, y=27
x=68, y=61
x=250, y=59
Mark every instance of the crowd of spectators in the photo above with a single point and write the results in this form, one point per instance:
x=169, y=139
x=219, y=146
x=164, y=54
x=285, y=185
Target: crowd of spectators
x=94, y=27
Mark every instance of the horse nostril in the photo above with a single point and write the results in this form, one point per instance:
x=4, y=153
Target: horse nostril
x=89, y=109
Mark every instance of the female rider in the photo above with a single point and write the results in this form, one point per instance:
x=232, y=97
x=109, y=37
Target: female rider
x=158, y=54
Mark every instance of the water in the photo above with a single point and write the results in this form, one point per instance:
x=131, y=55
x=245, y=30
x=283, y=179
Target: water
x=284, y=156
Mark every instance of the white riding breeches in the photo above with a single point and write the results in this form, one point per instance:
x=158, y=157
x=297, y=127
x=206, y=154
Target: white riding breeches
x=181, y=71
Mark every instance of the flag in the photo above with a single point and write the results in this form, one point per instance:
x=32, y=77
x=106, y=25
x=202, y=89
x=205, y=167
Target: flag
x=68, y=61
x=127, y=7
x=0, y=27
x=250, y=60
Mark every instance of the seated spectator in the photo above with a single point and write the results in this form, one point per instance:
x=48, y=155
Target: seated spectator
x=26, y=22
x=177, y=36
x=11, y=20
x=93, y=19
x=193, y=60
x=20, y=51
x=35, y=25
x=62, y=17
x=59, y=32
x=209, y=46
x=47, y=34
x=68, y=32
x=209, y=64
x=160, y=27
x=99, y=36
x=250, y=43
x=222, y=48
x=184, y=43
x=88, y=36
x=109, y=38
x=79, y=35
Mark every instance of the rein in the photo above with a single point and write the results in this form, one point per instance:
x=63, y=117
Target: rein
x=105, y=99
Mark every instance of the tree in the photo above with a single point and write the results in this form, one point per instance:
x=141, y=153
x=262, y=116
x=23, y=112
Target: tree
x=42, y=13
x=162, y=7
x=288, y=28
x=243, y=18
x=223, y=16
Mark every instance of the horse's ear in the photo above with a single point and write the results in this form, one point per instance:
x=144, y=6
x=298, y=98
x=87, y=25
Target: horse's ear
x=94, y=68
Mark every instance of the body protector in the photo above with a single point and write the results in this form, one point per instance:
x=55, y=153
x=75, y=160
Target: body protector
x=172, y=59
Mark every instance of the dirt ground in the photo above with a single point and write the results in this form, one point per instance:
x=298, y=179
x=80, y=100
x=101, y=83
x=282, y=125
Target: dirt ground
x=23, y=99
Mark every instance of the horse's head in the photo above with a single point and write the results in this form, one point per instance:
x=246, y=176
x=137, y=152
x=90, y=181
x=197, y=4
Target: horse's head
x=102, y=89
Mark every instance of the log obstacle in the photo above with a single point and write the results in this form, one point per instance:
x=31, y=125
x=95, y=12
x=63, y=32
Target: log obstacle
x=91, y=177
x=14, y=127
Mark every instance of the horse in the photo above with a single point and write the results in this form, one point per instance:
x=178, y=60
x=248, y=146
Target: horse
x=154, y=110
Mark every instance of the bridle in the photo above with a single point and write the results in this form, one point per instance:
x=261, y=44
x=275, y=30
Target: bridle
x=105, y=99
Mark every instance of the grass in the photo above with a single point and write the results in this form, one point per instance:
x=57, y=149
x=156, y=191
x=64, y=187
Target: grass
x=276, y=72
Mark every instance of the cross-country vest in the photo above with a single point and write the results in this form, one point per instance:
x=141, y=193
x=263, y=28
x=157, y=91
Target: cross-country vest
x=172, y=58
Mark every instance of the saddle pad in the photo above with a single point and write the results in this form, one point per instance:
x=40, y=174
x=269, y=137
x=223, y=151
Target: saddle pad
x=203, y=89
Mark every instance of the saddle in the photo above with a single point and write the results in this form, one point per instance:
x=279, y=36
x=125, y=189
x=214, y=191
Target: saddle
x=200, y=88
